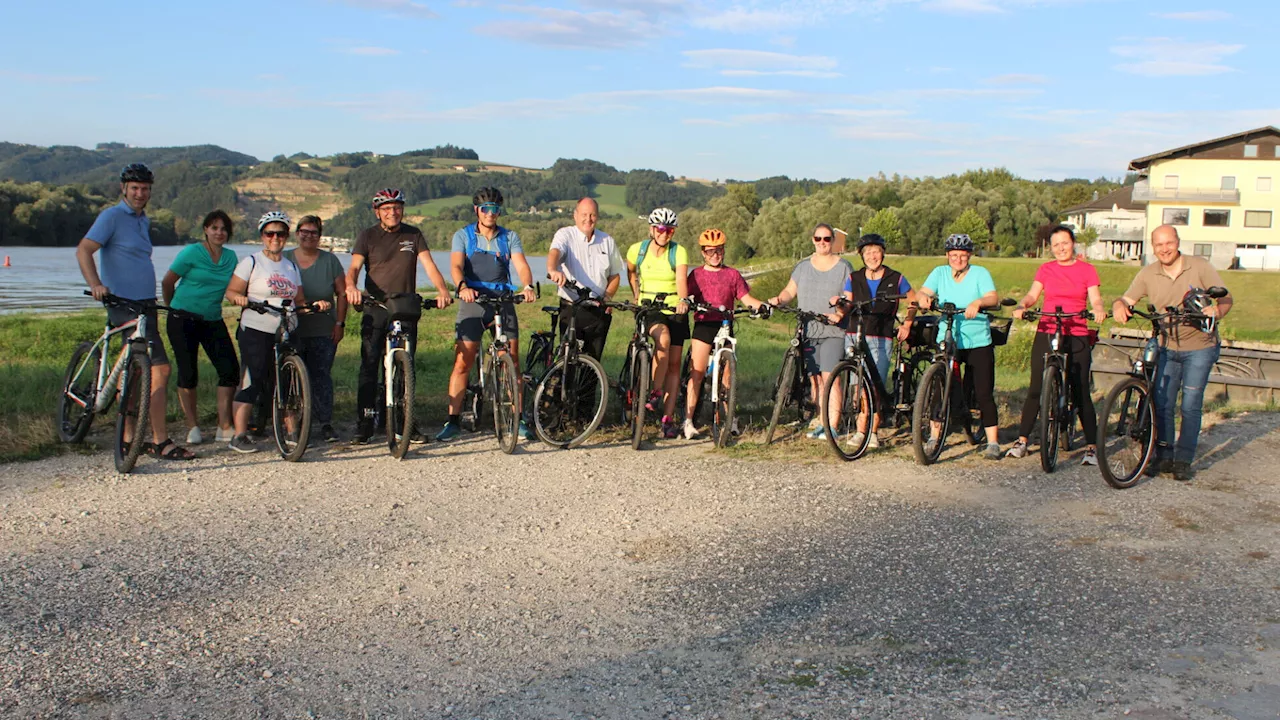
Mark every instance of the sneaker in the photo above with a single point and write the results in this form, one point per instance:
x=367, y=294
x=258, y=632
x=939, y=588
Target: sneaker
x=224, y=435
x=874, y=443
x=1182, y=471
x=194, y=437
x=815, y=423
x=242, y=444
x=992, y=452
x=690, y=432
x=1019, y=450
x=817, y=433
x=735, y=430
x=1090, y=457
x=930, y=446
x=329, y=434
x=448, y=432
x=669, y=429
x=855, y=440
x=524, y=432
x=364, y=432
x=417, y=437
x=654, y=403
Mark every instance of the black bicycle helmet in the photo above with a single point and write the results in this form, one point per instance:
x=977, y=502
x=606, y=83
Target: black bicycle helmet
x=870, y=239
x=137, y=172
x=1196, y=300
x=959, y=241
x=487, y=195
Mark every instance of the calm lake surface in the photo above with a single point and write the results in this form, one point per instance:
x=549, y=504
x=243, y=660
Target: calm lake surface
x=44, y=279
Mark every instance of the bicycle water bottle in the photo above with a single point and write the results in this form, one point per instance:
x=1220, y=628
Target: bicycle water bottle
x=848, y=344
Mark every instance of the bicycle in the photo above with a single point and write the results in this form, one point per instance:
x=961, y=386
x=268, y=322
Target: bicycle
x=570, y=398
x=1126, y=427
x=855, y=379
x=938, y=402
x=89, y=390
x=635, y=376
x=721, y=376
x=291, y=386
x=493, y=380
x=911, y=359
x=792, y=387
x=403, y=311
x=1058, y=411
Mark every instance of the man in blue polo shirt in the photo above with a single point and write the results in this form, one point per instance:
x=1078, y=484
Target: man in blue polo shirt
x=123, y=234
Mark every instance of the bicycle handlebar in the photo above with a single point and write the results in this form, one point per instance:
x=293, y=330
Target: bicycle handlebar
x=801, y=315
x=1031, y=315
x=282, y=310
x=142, y=306
x=585, y=296
x=367, y=299
x=858, y=305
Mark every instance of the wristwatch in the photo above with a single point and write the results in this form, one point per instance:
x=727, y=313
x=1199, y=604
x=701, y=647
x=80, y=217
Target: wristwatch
x=341, y=323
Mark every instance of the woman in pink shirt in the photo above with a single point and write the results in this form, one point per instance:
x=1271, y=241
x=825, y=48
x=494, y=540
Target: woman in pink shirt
x=1073, y=285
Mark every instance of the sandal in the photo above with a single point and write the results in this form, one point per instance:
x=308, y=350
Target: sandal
x=167, y=450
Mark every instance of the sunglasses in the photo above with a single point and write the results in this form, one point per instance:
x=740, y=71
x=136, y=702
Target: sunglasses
x=665, y=229
x=276, y=234
x=823, y=238
x=491, y=209
x=309, y=233
x=712, y=251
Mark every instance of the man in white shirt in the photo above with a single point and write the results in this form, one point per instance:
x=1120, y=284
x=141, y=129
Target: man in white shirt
x=589, y=257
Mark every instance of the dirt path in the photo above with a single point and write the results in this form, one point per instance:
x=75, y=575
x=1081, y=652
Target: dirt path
x=673, y=582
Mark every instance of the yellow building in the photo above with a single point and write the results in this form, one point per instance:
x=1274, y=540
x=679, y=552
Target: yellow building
x=1219, y=194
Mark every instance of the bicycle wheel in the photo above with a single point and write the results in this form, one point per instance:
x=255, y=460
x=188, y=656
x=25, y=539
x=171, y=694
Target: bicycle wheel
x=641, y=367
x=133, y=416
x=400, y=407
x=1050, y=416
x=79, y=391
x=1127, y=437
x=291, y=401
x=726, y=385
x=906, y=378
x=506, y=388
x=856, y=397
x=473, y=400
x=783, y=389
x=570, y=402
x=930, y=407
x=625, y=390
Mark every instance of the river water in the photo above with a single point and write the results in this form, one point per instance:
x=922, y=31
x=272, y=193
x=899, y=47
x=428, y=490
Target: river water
x=42, y=279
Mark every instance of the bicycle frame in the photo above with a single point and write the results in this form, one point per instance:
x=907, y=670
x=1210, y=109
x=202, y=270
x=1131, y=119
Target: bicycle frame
x=107, y=380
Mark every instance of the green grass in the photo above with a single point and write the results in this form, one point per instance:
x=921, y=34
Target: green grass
x=431, y=208
x=613, y=200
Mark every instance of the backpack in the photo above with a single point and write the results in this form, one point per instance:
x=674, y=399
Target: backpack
x=504, y=255
x=644, y=250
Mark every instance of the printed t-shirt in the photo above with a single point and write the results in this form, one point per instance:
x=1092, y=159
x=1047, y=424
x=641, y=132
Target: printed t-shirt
x=390, y=259
x=656, y=274
x=269, y=280
x=976, y=282
x=1066, y=286
x=202, y=283
x=317, y=284
x=716, y=287
x=125, y=237
x=1163, y=291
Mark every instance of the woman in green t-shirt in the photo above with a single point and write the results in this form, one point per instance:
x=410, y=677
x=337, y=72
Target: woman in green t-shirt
x=195, y=283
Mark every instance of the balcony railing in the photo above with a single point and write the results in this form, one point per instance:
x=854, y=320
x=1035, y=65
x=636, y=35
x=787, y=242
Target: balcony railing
x=1143, y=192
x=1114, y=235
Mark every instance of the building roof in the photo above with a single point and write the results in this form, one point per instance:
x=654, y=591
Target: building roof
x=1143, y=162
x=1122, y=198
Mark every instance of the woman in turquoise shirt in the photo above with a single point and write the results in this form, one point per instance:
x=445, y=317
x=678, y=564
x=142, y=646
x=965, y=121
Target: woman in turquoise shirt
x=196, y=283
x=969, y=287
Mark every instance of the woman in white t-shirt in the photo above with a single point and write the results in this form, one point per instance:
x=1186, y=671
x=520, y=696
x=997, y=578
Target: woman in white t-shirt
x=269, y=277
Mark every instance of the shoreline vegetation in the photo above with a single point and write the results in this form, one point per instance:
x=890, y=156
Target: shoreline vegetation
x=35, y=348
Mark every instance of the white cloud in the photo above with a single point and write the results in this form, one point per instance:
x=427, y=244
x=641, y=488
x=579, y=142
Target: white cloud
x=981, y=7
x=370, y=51
x=403, y=8
x=1016, y=79
x=743, y=20
x=759, y=62
x=706, y=121
x=45, y=78
x=553, y=27
x=1196, y=15
x=1166, y=57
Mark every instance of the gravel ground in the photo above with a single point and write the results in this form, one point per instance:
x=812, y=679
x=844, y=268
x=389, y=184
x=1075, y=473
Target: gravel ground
x=669, y=583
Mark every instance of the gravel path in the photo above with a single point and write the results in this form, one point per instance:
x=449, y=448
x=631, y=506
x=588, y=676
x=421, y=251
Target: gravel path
x=669, y=583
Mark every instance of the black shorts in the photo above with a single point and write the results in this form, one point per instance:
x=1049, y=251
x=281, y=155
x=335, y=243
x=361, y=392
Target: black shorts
x=677, y=325
x=474, y=319
x=187, y=335
x=706, y=331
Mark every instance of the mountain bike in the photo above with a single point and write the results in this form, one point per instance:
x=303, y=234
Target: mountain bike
x=1126, y=427
x=291, y=386
x=398, y=381
x=1058, y=412
x=720, y=383
x=570, y=398
x=792, y=387
x=911, y=359
x=88, y=389
x=855, y=380
x=944, y=396
x=636, y=374
x=493, y=379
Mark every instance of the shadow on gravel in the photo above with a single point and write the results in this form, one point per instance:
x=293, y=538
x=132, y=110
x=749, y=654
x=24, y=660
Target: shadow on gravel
x=1239, y=432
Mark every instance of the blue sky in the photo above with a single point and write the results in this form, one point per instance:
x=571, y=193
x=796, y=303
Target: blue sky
x=708, y=88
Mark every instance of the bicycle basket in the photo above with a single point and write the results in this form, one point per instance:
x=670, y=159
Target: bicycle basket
x=404, y=306
x=1000, y=331
x=924, y=331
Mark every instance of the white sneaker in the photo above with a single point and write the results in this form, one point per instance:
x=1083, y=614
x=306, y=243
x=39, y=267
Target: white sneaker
x=734, y=431
x=690, y=432
x=1090, y=457
x=875, y=441
x=1019, y=450
x=223, y=435
x=856, y=439
x=818, y=433
x=194, y=437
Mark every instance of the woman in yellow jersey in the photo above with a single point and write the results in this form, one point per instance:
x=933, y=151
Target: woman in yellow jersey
x=654, y=266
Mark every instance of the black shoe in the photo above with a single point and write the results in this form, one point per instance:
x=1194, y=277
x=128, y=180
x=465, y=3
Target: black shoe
x=364, y=432
x=1182, y=471
x=329, y=434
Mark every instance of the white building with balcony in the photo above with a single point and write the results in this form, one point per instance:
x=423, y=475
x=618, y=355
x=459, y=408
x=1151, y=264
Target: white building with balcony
x=1120, y=222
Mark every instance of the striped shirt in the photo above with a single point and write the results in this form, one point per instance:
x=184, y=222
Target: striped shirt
x=588, y=263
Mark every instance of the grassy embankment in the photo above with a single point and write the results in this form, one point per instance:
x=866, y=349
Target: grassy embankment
x=34, y=350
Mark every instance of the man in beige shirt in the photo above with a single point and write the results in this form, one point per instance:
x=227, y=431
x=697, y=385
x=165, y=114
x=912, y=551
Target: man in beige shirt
x=1188, y=357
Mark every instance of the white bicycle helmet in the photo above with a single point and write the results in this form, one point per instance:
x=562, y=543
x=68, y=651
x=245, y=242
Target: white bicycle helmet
x=273, y=216
x=959, y=242
x=663, y=216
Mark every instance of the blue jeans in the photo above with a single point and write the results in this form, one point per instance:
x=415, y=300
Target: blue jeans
x=1186, y=371
x=880, y=348
x=317, y=354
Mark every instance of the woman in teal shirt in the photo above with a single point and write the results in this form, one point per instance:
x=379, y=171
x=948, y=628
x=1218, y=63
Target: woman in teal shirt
x=969, y=287
x=195, y=284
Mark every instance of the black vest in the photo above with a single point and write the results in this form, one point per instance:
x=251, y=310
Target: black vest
x=880, y=321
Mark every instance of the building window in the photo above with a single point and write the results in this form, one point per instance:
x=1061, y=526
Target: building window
x=1203, y=250
x=1228, y=182
x=1177, y=216
x=1171, y=181
x=1217, y=218
x=1251, y=246
x=1251, y=151
x=1257, y=218
x=1264, y=184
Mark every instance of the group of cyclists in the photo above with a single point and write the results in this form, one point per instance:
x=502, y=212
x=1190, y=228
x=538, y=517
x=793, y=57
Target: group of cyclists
x=487, y=261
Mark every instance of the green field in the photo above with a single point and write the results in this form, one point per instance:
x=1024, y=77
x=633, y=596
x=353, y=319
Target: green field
x=613, y=200
x=431, y=208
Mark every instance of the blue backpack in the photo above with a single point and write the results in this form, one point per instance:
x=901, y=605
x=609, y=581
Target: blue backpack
x=504, y=255
x=644, y=250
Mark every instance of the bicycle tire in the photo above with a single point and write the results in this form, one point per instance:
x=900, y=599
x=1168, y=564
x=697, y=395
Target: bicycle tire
x=1050, y=420
x=624, y=391
x=506, y=388
x=135, y=403
x=400, y=411
x=292, y=396
x=1126, y=433
x=783, y=388
x=80, y=381
x=907, y=382
x=930, y=406
x=641, y=368
x=727, y=402
x=473, y=399
x=850, y=374
x=557, y=416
